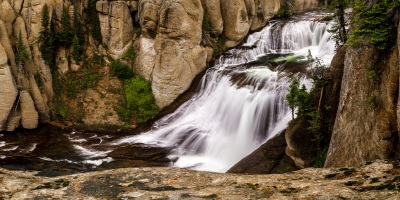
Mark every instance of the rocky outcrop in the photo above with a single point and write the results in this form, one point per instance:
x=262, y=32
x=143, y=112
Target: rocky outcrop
x=29, y=115
x=366, y=126
x=8, y=89
x=269, y=158
x=116, y=25
x=376, y=181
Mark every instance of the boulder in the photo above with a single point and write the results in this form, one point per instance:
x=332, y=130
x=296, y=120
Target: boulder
x=237, y=20
x=179, y=54
x=266, y=158
x=213, y=14
x=264, y=11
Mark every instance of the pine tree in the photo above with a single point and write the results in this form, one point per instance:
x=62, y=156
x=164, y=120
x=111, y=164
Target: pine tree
x=47, y=38
x=78, y=27
x=22, y=54
x=65, y=35
x=76, y=49
x=95, y=29
x=291, y=97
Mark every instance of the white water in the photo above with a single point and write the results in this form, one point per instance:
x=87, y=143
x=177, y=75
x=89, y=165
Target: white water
x=238, y=107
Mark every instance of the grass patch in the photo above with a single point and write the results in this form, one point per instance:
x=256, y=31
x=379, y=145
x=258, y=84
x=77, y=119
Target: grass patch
x=140, y=104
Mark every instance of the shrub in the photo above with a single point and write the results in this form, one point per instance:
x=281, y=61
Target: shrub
x=121, y=70
x=140, y=103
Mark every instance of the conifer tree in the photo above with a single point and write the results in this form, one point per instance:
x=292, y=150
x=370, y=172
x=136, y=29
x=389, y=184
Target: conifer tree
x=76, y=49
x=78, y=27
x=95, y=29
x=47, y=38
x=22, y=54
x=65, y=35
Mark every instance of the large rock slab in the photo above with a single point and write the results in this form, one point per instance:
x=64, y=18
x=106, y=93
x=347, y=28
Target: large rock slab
x=173, y=183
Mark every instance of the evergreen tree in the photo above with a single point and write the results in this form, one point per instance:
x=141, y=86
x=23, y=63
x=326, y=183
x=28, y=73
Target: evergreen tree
x=291, y=97
x=47, y=38
x=22, y=54
x=76, y=49
x=78, y=27
x=65, y=35
x=95, y=29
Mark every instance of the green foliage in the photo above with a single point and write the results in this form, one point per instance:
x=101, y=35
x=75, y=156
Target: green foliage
x=285, y=11
x=121, y=70
x=321, y=157
x=206, y=23
x=65, y=35
x=140, y=103
x=93, y=20
x=78, y=27
x=77, y=49
x=38, y=79
x=221, y=47
x=299, y=98
x=77, y=82
x=129, y=54
x=47, y=38
x=22, y=52
x=373, y=101
x=373, y=23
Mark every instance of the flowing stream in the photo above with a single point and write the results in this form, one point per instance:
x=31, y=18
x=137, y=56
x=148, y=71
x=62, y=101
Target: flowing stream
x=239, y=105
x=241, y=101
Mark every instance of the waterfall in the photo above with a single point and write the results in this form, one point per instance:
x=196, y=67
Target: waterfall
x=240, y=102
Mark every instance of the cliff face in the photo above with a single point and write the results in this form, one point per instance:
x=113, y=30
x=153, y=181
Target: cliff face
x=367, y=122
x=172, y=42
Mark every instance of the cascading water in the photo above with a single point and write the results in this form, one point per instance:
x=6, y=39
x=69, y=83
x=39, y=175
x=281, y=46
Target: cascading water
x=241, y=101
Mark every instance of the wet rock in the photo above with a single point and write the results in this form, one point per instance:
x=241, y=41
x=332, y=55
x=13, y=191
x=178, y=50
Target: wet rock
x=268, y=158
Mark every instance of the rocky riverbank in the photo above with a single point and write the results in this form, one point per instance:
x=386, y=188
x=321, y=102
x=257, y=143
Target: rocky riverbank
x=378, y=180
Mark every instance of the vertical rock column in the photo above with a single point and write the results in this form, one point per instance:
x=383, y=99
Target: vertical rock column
x=8, y=89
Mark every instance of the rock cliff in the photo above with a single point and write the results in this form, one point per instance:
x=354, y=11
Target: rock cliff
x=172, y=41
x=367, y=122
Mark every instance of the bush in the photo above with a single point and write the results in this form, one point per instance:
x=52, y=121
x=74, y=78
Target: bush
x=121, y=70
x=140, y=103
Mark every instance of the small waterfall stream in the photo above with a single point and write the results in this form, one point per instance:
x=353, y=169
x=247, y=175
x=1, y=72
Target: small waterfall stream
x=241, y=101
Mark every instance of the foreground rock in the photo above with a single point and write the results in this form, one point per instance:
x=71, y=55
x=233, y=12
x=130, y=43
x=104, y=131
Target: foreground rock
x=379, y=180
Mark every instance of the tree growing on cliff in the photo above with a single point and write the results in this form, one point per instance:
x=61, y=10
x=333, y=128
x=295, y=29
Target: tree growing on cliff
x=22, y=52
x=94, y=21
x=65, y=35
x=47, y=38
x=76, y=49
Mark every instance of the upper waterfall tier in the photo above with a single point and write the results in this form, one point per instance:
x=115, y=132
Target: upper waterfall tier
x=241, y=100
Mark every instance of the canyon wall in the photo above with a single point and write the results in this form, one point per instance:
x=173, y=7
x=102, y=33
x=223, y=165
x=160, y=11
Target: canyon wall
x=172, y=40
